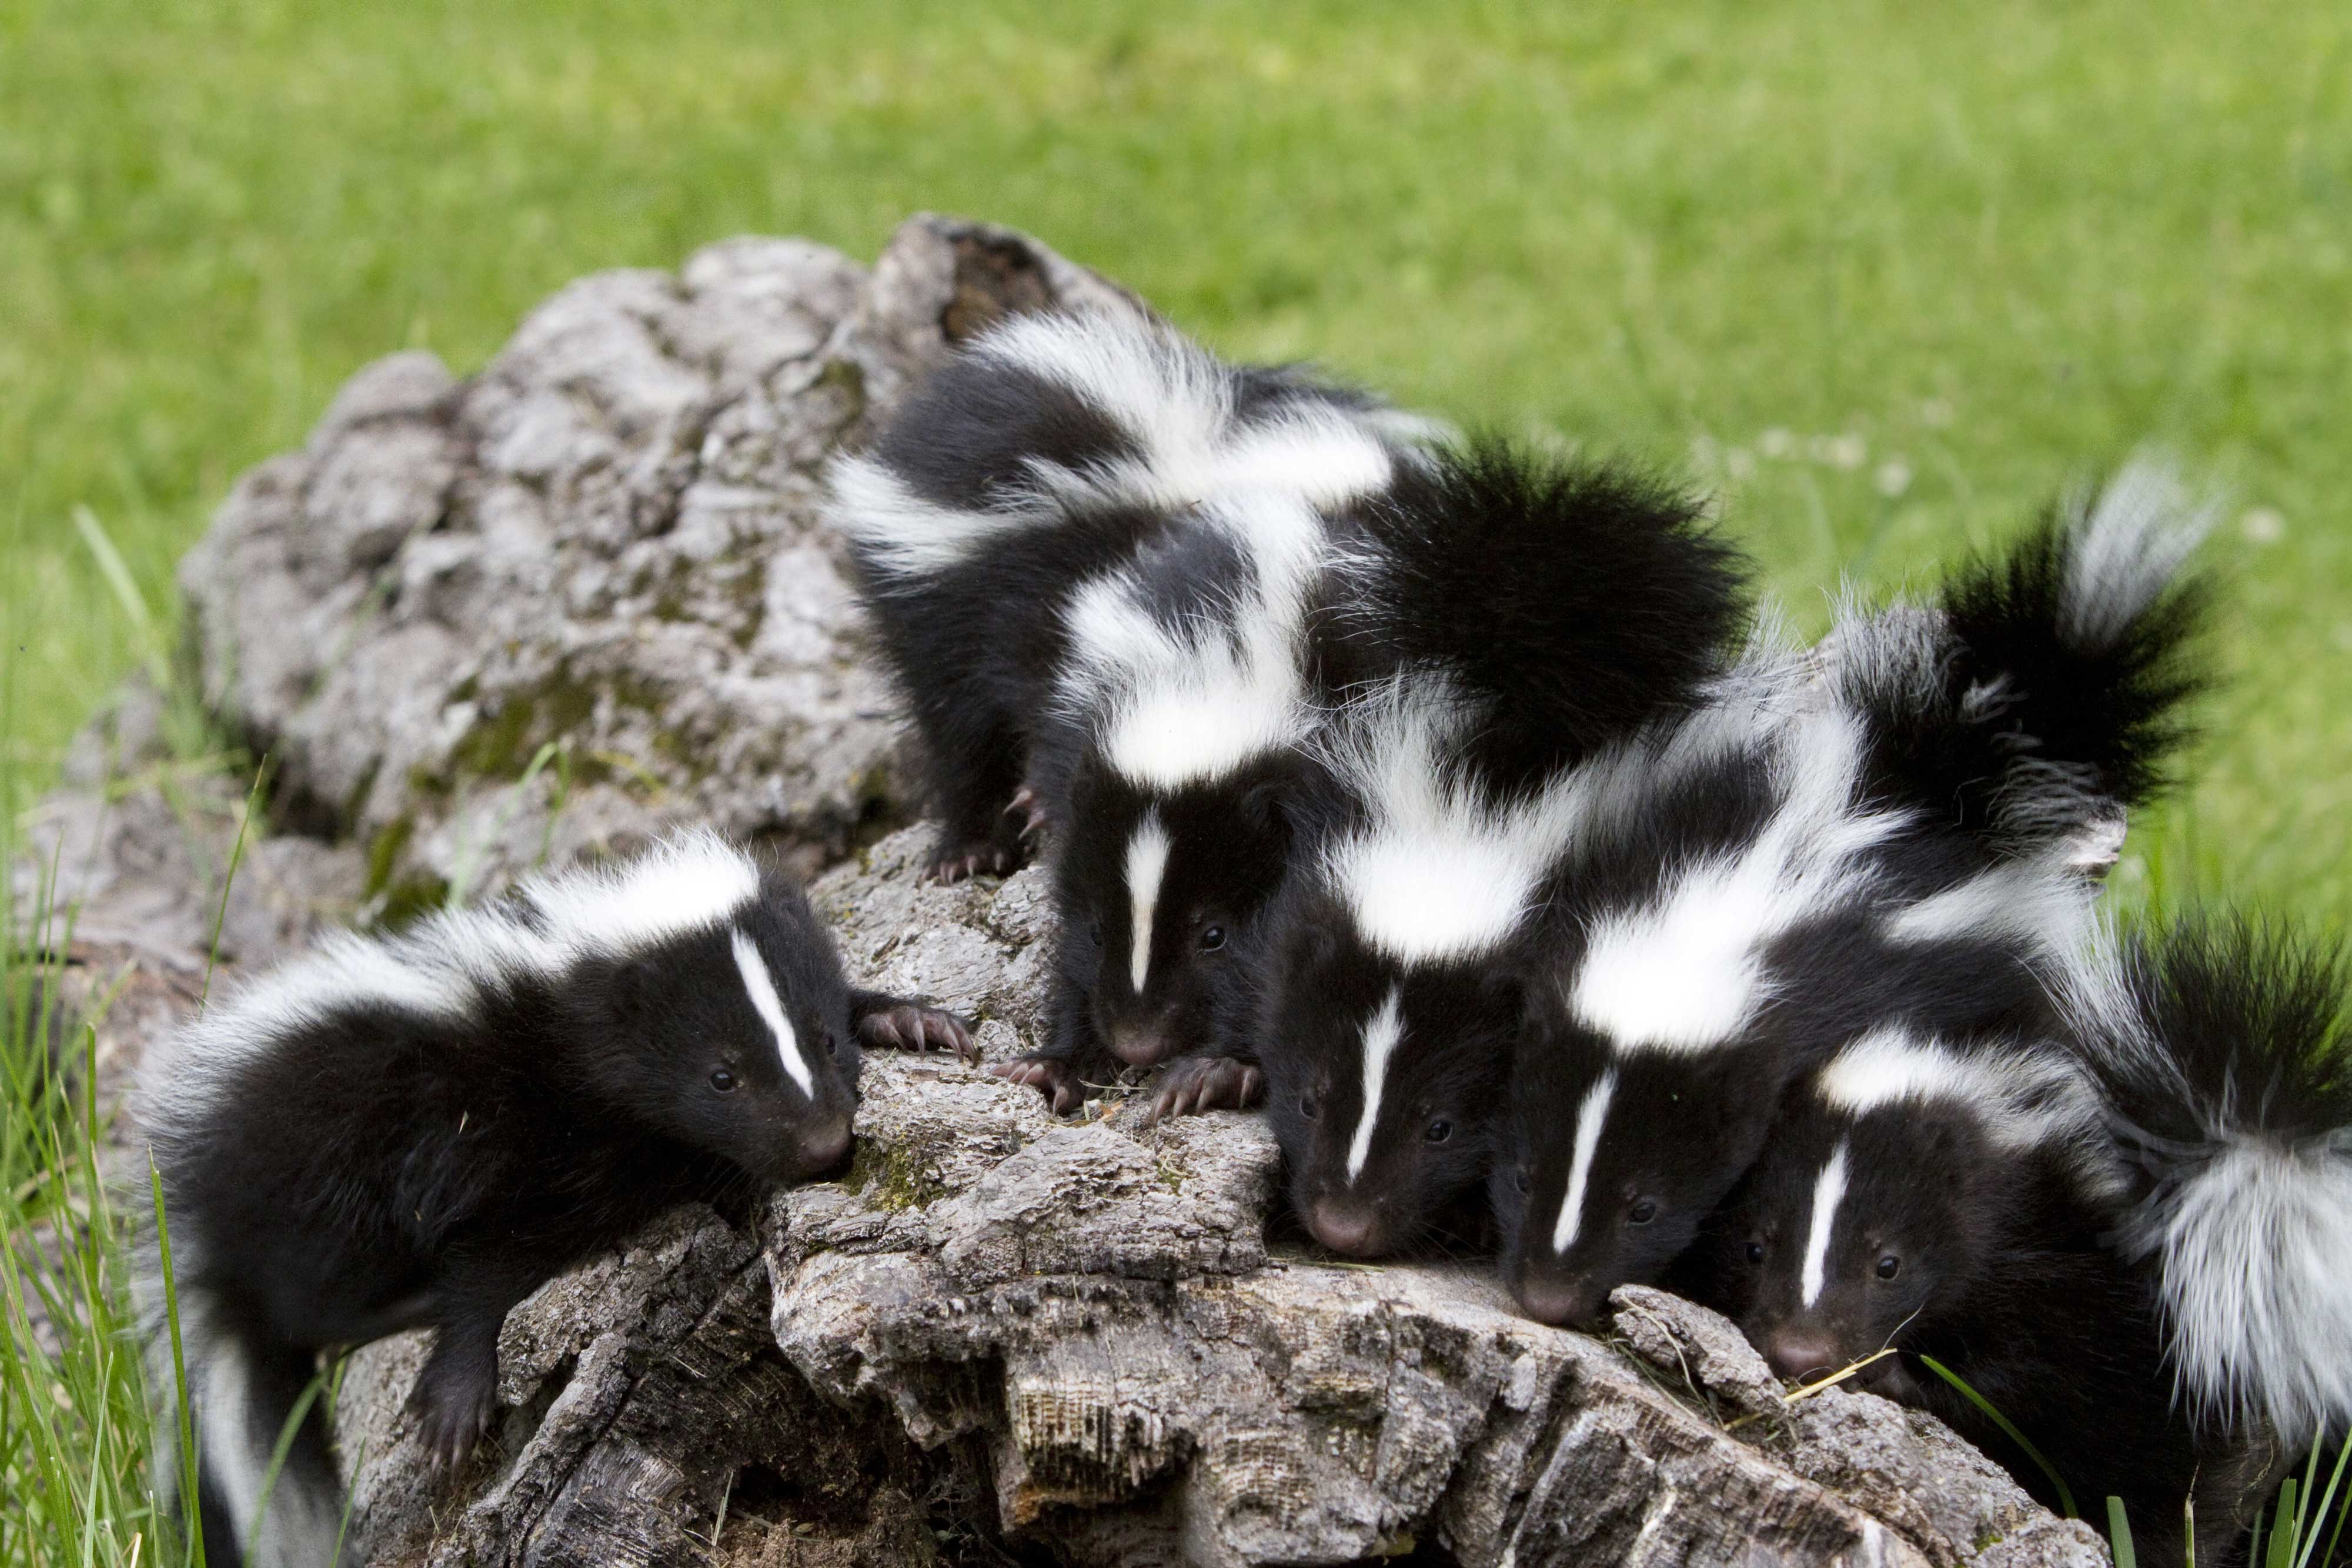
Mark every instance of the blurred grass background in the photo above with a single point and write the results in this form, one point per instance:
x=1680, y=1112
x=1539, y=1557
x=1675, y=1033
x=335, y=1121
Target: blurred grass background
x=1883, y=276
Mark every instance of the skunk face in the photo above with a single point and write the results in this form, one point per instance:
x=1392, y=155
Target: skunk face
x=1854, y=1234
x=1156, y=887
x=1615, y=1159
x=735, y=1041
x=1383, y=1078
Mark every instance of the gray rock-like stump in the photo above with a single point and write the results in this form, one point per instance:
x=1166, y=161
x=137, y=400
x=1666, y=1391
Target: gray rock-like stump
x=999, y=1337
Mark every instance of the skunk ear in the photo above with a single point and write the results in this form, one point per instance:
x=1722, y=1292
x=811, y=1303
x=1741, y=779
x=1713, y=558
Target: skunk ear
x=635, y=989
x=1265, y=807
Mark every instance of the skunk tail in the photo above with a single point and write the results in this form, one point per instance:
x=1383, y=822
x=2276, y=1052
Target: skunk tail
x=1573, y=602
x=243, y=1387
x=2040, y=697
x=2222, y=1049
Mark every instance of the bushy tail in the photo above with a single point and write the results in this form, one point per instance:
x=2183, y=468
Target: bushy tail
x=2040, y=695
x=1574, y=600
x=242, y=1389
x=2222, y=1051
x=1045, y=412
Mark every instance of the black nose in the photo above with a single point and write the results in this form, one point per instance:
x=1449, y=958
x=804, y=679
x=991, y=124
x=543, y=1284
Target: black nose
x=1569, y=1304
x=822, y=1148
x=1800, y=1353
x=1344, y=1226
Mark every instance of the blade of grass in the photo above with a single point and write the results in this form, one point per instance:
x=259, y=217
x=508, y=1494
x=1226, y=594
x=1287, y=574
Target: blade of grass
x=236, y=857
x=285, y=1446
x=2282, y=1552
x=2327, y=1501
x=2119, y=1535
x=2066, y=1496
x=187, y=1443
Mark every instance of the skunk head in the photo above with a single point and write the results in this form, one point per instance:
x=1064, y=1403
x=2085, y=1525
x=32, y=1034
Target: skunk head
x=734, y=1039
x=1895, y=1180
x=1157, y=886
x=1615, y=1158
x=1383, y=1076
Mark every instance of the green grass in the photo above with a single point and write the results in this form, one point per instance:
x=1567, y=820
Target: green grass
x=1995, y=244
x=1886, y=274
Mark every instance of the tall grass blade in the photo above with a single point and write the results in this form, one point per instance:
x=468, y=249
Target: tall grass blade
x=2326, y=1503
x=2282, y=1552
x=2119, y=1535
x=193, y=1524
x=2066, y=1495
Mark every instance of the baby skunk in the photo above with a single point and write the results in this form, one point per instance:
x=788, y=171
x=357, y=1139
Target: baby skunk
x=1500, y=617
x=422, y=1128
x=2061, y=1239
x=1051, y=451
x=1554, y=603
x=1908, y=836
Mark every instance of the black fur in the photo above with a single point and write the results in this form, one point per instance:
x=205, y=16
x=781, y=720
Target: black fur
x=372, y=1168
x=2024, y=722
x=1318, y=986
x=1575, y=599
x=1992, y=1259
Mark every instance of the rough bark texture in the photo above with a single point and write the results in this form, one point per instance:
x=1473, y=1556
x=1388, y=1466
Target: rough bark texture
x=999, y=1337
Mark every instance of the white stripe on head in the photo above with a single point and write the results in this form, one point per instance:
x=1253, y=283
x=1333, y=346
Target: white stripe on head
x=1828, y=1192
x=1589, y=1114
x=2020, y=1096
x=905, y=535
x=1381, y=1033
x=1147, y=864
x=689, y=883
x=761, y=989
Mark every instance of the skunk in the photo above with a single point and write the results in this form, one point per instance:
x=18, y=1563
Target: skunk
x=422, y=1128
x=1907, y=825
x=1054, y=450
x=2135, y=1241
x=1554, y=603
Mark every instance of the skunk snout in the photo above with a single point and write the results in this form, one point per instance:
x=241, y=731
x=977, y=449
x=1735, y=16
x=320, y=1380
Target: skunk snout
x=1802, y=1354
x=1564, y=1302
x=824, y=1147
x=1143, y=1044
x=1344, y=1225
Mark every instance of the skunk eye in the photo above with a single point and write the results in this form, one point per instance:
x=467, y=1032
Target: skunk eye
x=1439, y=1132
x=1523, y=1181
x=1643, y=1212
x=1212, y=938
x=723, y=1081
x=1754, y=1253
x=832, y=1046
x=1093, y=933
x=1308, y=1108
x=1889, y=1266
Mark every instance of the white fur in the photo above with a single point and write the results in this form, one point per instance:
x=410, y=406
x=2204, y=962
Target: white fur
x=906, y=537
x=2255, y=1254
x=1591, y=1112
x=1147, y=864
x=1828, y=1191
x=300, y=1526
x=450, y=966
x=1173, y=705
x=1381, y=1033
x=2130, y=543
x=1434, y=873
x=2021, y=1095
x=2045, y=902
x=760, y=986
x=1684, y=973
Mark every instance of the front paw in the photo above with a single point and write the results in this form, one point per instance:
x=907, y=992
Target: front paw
x=1051, y=1076
x=911, y=1026
x=453, y=1412
x=1192, y=1085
